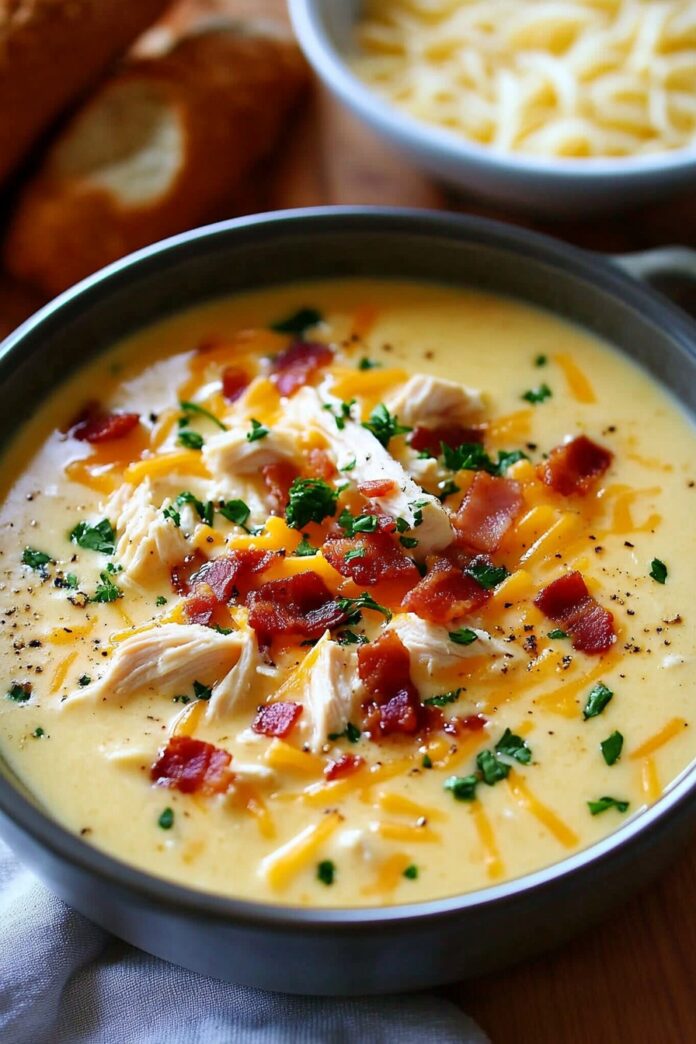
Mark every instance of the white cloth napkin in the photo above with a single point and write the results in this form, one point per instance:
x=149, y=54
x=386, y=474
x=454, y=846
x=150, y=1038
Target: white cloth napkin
x=65, y=981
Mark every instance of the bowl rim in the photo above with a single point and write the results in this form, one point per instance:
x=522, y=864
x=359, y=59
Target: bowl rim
x=30, y=819
x=415, y=134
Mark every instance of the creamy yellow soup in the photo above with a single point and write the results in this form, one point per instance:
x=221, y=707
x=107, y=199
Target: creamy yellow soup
x=530, y=748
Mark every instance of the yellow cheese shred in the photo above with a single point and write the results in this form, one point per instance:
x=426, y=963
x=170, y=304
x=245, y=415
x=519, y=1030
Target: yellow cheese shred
x=389, y=875
x=281, y=755
x=494, y=863
x=281, y=866
x=405, y=832
x=61, y=672
x=400, y=805
x=666, y=733
x=578, y=384
x=649, y=780
x=525, y=799
x=187, y=462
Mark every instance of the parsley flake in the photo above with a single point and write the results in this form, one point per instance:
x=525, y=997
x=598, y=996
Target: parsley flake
x=350, y=638
x=170, y=512
x=38, y=732
x=341, y=414
x=411, y=872
x=611, y=748
x=513, y=747
x=427, y=761
x=658, y=570
x=597, y=700
x=304, y=549
x=160, y=600
x=351, y=732
x=603, y=803
x=205, y=511
x=326, y=871
x=443, y=699
x=310, y=500
x=19, y=692
x=486, y=574
x=368, y=364
x=408, y=542
x=464, y=636
x=190, y=439
x=257, y=431
x=537, y=395
x=298, y=322
x=541, y=360
x=201, y=691
x=106, y=591
x=384, y=426
x=36, y=559
x=84, y=680
x=491, y=768
x=463, y=788
x=352, y=607
x=100, y=537
x=235, y=511
x=353, y=524
x=193, y=407
x=166, y=819
x=356, y=552
x=557, y=633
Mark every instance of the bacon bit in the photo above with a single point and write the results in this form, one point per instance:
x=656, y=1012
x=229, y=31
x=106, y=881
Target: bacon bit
x=381, y=559
x=192, y=766
x=471, y=723
x=94, y=425
x=277, y=719
x=301, y=605
x=234, y=382
x=231, y=574
x=575, y=466
x=568, y=602
x=293, y=367
x=200, y=605
x=445, y=594
x=278, y=479
x=377, y=487
x=488, y=510
x=320, y=464
x=429, y=439
x=180, y=574
x=384, y=667
x=346, y=765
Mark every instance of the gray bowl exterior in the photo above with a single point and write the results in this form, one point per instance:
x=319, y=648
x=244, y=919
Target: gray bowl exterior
x=346, y=951
x=554, y=189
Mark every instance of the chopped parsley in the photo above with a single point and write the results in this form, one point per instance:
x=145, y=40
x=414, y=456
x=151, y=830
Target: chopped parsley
x=611, y=748
x=38, y=732
x=19, y=692
x=298, y=321
x=170, y=512
x=368, y=364
x=349, y=466
x=160, y=600
x=352, y=607
x=408, y=542
x=513, y=747
x=464, y=636
x=193, y=407
x=506, y=458
x=557, y=633
x=205, y=511
x=166, y=819
x=190, y=439
x=491, y=768
x=201, y=691
x=463, y=788
x=181, y=699
x=106, y=591
x=658, y=570
x=471, y=456
x=304, y=549
x=326, y=872
x=351, y=732
x=350, y=638
x=537, y=395
x=100, y=537
x=384, y=426
x=411, y=872
x=235, y=511
x=84, y=680
x=486, y=574
x=341, y=414
x=356, y=552
x=446, y=489
x=36, y=559
x=310, y=500
x=541, y=360
x=257, y=431
x=417, y=509
x=603, y=803
x=597, y=700
x=443, y=699
x=71, y=581
x=353, y=524
x=427, y=761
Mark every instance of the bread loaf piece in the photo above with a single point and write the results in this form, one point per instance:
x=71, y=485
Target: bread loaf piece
x=51, y=51
x=157, y=150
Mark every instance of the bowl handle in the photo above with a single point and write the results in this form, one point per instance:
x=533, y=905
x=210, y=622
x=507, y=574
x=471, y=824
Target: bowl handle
x=672, y=270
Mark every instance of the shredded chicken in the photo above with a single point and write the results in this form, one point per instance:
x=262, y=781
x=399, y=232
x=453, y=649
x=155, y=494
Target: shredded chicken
x=168, y=659
x=231, y=453
x=434, y=401
x=326, y=684
x=237, y=683
x=430, y=646
x=145, y=535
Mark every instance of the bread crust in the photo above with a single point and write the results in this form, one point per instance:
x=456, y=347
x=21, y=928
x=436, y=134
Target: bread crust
x=229, y=92
x=51, y=52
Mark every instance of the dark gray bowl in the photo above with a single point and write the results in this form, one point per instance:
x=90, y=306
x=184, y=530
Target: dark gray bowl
x=399, y=947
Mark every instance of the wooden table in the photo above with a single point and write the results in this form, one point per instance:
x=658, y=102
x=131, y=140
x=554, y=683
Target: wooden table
x=634, y=978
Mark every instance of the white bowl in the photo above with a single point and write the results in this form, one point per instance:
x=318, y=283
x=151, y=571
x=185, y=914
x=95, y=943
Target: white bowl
x=550, y=187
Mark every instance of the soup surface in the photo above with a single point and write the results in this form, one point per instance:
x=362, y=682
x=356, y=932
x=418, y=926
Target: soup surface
x=349, y=593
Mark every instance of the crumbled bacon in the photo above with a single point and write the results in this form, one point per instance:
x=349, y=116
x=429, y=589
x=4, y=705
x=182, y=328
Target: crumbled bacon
x=471, y=723
x=346, y=765
x=568, y=602
x=192, y=766
x=301, y=605
x=293, y=367
x=234, y=382
x=200, y=605
x=96, y=425
x=429, y=440
x=277, y=719
x=181, y=573
x=278, y=478
x=575, y=466
x=377, y=487
x=384, y=668
x=378, y=559
x=320, y=464
x=444, y=594
x=489, y=508
x=231, y=574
